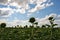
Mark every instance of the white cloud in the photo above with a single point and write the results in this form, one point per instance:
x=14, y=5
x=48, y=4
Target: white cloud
x=41, y=6
x=58, y=16
x=3, y=21
x=49, y=4
x=13, y=4
x=14, y=22
x=37, y=7
x=37, y=1
x=18, y=22
x=23, y=5
x=22, y=10
x=28, y=14
x=45, y=20
x=5, y=12
x=57, y=22
x=41, y=21
x=53, y=15
x=3, y=1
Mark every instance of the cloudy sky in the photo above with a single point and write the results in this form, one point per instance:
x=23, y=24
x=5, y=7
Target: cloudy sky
x=18, y=12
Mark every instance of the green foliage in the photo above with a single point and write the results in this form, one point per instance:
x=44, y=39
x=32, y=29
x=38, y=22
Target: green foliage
x=32, y=33
x=48, y=25
x=3, y=25
x=43, y=26
x=26, y=34
x=32, y=20
x=51, y=20
x=36, y=23
x=25, y=26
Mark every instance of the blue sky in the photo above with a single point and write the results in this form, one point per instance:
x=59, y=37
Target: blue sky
x=12, y=10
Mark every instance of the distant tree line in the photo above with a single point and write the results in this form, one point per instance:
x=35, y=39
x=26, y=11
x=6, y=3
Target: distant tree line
x=32, y=20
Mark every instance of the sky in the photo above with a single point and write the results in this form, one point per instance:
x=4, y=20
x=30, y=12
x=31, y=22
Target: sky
x=18, y=12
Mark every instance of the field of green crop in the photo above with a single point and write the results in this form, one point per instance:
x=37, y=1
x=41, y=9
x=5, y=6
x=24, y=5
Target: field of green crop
x=29, y=34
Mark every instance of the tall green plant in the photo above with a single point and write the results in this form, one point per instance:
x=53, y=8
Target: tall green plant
x=32, y=20
x=51, y=20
